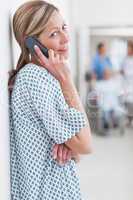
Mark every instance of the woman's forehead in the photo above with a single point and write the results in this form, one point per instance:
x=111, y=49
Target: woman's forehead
x=56, y=21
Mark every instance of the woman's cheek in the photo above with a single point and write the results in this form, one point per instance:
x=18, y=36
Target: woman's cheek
x=56, y=44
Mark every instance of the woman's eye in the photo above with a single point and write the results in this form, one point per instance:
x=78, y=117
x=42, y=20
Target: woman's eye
x=65, y=27
x=53, y=34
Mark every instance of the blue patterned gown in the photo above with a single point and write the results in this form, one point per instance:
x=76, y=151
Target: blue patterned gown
x=40, y=118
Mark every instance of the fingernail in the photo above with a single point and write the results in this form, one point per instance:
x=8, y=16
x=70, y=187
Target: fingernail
x=35, y=47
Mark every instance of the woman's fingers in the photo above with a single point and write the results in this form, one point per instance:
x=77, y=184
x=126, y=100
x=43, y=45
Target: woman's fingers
x=55, y=64
x=51, y=55
x=60, y=154
x=57, y=58
x=43, y=59
x=69, y=155
x=61, y=57
x=55, y=150
x=64, y=154
x=38, y=59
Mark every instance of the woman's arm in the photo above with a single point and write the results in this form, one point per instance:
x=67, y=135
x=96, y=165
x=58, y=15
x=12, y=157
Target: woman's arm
x=58, y=67
x=81, y=143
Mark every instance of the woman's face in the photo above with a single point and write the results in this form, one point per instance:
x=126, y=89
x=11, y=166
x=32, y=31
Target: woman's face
x=56, y=36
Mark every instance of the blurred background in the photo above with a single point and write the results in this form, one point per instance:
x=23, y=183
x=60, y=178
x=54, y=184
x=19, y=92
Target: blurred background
x=101, y=60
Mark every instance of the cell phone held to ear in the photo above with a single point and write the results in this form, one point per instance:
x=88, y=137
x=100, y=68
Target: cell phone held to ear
x=31, y=41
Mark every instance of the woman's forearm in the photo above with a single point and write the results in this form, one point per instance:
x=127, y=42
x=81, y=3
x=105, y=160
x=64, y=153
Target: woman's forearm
x=82, y=141
x=70, y=94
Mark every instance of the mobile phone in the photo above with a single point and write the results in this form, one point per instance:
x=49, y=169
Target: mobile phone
x=31, y=41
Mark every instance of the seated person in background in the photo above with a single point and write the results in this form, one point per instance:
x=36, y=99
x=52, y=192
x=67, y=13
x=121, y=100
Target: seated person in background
x=101, y=64
x=108, y=91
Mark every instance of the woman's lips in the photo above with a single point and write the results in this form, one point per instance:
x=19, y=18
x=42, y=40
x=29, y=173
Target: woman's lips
x=63, y=50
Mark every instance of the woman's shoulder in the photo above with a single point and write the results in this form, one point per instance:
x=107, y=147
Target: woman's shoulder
x=37, y=74
x=31, y=70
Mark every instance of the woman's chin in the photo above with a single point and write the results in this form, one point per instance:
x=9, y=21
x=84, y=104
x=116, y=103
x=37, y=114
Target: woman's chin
x=66, y=55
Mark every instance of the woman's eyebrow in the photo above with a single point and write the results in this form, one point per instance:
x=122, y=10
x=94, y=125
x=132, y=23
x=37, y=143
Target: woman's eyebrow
x=53, y=28
x=56, y=27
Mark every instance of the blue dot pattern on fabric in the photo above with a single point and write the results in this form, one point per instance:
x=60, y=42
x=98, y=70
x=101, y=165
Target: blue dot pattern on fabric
x=40, y=118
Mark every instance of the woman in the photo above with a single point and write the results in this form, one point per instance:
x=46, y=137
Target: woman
x=48, y=122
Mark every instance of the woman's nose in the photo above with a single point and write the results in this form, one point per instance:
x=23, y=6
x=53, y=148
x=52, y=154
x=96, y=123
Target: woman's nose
x=65, y=37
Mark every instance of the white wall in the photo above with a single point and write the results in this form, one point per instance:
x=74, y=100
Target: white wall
x=103, y=12
x=5, y=65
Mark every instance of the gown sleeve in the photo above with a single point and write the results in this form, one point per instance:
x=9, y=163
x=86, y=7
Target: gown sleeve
x=60, y=121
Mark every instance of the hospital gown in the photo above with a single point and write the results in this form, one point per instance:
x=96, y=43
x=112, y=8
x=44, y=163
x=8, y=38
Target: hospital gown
x=39, y=119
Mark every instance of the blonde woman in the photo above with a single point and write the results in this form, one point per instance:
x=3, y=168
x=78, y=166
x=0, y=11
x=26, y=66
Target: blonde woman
x=49, y=127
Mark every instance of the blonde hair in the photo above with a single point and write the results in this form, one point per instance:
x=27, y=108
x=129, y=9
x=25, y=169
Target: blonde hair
x=30, y=19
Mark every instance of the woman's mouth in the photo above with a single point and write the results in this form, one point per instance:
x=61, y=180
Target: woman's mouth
x=63, y=50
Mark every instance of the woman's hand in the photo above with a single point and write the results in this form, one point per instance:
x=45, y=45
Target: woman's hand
x=61, y=153
x=55, y=64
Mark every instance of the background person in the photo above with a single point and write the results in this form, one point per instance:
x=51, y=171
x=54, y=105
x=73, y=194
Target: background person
x=127, y=72
x=101, y=65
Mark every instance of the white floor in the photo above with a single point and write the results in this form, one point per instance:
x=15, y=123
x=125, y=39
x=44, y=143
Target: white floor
x=107, y=174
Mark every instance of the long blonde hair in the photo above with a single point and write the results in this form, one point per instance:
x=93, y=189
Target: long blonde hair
x=30, y=19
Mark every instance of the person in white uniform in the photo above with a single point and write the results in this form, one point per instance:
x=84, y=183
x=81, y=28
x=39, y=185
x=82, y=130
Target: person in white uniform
x=127, y=71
